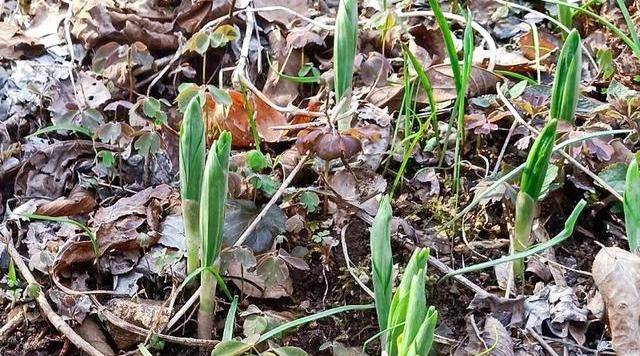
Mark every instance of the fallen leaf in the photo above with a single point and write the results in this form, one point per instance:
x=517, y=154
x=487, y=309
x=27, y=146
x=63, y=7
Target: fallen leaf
x=240, y=213
x=547, y=43
x=50, y=172
x=329, y=145
x=235, y=119
x=79, y=201
x=616, y=273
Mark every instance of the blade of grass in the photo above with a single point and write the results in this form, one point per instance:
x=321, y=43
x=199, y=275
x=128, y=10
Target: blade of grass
x=560, y=237
x=62, y=127
x=323, y=314
x=230, y=321
x=344, y=52
x=631, y=204
x=295, y=79
x=64, y=220
x=460, y=100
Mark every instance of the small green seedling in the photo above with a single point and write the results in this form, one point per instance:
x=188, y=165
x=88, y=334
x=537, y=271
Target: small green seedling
x=212, y=201
x=409, y=309
x=631, y=203
x=531, y=182
x=382, y=261
x=192, y=155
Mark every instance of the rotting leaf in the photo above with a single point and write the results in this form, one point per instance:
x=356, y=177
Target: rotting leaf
x=329, y=145
x=616, y=273
x=240, y=213
x=79, y=201
x=235, y=119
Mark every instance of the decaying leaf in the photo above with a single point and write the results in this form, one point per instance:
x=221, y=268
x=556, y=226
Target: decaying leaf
x=149, y=314
x=79, y=201
x=330, y=145
x=616, y=273
x=235, y=119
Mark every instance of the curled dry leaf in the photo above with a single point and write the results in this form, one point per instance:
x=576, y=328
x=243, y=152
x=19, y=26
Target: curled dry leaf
x=79, y=201
x=616, y=273
x=235, y=119
x=330, y=145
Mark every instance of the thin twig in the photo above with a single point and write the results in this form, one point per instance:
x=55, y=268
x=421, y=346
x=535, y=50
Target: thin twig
x=347, y=260
x=183, y=309
x=55, y=319
x=274, y=199
x=542, y=343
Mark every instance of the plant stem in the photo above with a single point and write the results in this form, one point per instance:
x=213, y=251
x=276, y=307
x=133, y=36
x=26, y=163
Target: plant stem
x=525, y=210
x=208, y=284
x=191, y=219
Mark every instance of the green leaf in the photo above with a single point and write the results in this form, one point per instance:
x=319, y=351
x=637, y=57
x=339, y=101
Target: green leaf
x=518, y=89
x=310, y=201
x=289, y=351
x=560, y=237
x=186, y=92
x=231, y=348
x=230, y=321
x=344, y=51
x=382, y=261
x=631, y=204
x=535, y=169
x=265, y=183
x=223, y=35
x=213, y=198
x=604, y=58
x=192, y=151
x=566, y=85
x=106, y=158
x=256, y=160
x=220, y=96
x=148, y=143
x=615, y=176
x=319, y=315
x=62, y=127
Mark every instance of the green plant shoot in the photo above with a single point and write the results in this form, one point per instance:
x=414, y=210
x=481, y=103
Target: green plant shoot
x=565, y=91
x=631, y=204
x=531, y=182
x=382, y=261
x=409, y=309
x=212, y=201
x=344, y=52
x=192, y=155
x=565, y=14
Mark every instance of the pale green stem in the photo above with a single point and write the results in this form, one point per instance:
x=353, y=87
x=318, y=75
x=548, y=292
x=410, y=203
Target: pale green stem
x=208, y=284
x=191, y=219
x=525, y=210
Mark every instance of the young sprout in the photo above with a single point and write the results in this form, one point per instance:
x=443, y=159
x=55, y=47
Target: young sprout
x=192, y=146
x=382, y=261
x=411, y=324
x=531, y=182
x=565, y=91
x=564, y=99
x=212, y=201
x=565, y=14
x=344, y=52
x=631, y=203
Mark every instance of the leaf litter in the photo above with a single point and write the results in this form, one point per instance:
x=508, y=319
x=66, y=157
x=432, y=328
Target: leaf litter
x=91, y=102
